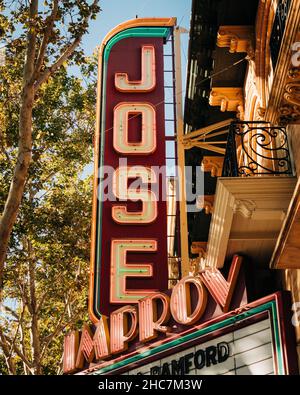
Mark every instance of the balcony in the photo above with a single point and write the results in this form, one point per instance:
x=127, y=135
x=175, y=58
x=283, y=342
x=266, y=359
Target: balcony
x=252, y=195
x=256, y=149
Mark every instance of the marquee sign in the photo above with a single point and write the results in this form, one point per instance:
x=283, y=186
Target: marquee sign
x=255, y=339
x=129, y=235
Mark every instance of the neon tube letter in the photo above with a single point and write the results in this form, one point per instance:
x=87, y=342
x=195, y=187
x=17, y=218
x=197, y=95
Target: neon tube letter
x=120, y=269
x=148, y=81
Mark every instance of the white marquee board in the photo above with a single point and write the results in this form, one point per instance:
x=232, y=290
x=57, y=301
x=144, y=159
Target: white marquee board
x=250, y=353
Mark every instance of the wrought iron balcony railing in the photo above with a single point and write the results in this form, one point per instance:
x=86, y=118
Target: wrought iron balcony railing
x=255, y=149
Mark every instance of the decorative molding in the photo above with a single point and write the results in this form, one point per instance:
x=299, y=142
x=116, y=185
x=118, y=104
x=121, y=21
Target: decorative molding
x=213, y=164
x=248, y=209
x=289, y=112
x=253, y=108
x=264, y=22
x=199, y=247
x=237, y=38
x=282, y=87
x=260, y=113
x=229, y=99
x=244, y=207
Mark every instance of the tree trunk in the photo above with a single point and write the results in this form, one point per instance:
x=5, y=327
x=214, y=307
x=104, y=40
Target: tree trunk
x=23, y=349
x=19, y=178
x=36, y=348
x=34, y=327
x=17, y=185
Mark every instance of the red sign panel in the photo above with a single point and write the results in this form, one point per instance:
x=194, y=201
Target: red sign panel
x=129, y=239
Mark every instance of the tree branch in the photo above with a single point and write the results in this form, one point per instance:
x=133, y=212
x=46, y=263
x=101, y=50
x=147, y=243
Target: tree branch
x=20, y=354
x=31, y=39
x=58, y=328
x=8, y=359
x=10, y=311
x=52, y=69
x=66, y=54
x=20, y=320
x=3, y=148
x=48, y=30
x=35, y=333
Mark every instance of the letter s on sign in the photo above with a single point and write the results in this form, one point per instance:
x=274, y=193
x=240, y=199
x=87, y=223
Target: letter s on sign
x=121, y=191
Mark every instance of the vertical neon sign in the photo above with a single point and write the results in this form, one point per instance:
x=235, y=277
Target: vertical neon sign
x=129, y=236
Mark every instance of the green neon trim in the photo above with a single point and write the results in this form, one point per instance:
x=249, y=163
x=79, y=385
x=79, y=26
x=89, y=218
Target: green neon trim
x=269, y=306
x=133, y=271
x=133, y=32
x=278, y=344
x=130, y=297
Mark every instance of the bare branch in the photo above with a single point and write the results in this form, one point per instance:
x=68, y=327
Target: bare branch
x=10, y=311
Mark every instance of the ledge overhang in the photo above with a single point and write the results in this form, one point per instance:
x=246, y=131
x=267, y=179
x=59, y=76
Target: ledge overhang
x=247, y=217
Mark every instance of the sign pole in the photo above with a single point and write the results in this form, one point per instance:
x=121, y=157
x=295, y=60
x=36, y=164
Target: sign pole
x=180, y=155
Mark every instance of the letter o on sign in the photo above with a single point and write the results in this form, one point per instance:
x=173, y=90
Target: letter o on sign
x=181, y=303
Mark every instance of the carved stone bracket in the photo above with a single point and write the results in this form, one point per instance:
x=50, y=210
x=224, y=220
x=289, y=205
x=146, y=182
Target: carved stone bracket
x=244, y=207
x=229, y=99
x=205, y=203
x=213, y=164
x=197, y=264
x=237, y=38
